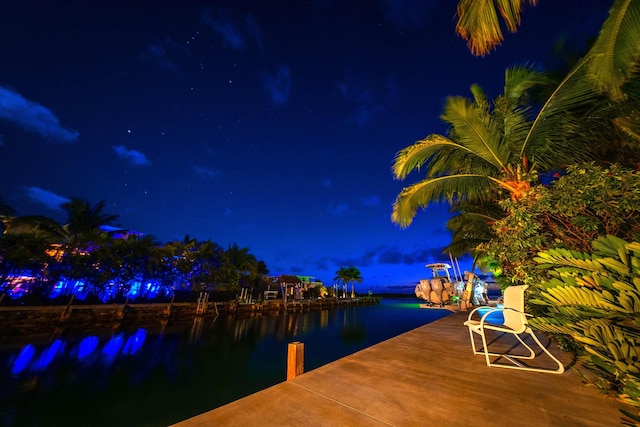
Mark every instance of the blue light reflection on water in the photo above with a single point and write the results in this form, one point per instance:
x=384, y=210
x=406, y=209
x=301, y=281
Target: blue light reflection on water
x=142, y=377
x=21, y=361
x=48, y=354
x=86, y=348
x=112, y=348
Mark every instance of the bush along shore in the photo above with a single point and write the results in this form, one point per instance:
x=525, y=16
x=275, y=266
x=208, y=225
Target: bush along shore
x=33, y=320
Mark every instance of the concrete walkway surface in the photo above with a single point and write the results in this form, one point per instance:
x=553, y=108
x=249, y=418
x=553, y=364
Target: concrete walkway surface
x=426, y=377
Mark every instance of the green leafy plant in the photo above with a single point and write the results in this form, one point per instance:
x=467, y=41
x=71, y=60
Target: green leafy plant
x=588, y=201
x=594, y=298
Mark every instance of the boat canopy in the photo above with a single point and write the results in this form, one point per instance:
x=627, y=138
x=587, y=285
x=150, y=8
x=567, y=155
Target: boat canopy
x=439, y=268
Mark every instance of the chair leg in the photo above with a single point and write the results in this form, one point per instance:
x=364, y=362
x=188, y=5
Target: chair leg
x=514, y=359
x=532, y=354
x=485, y=347
x=560, y=368
x=473, y=342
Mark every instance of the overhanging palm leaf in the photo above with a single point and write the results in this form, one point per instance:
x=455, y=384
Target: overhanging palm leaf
x=577, y=113
x=471, y=227
x=469, y=187
x=550, y=135
x=629, y=125
x=439, y=152
x=475, y=130
x=478, y=22
x=615, y=52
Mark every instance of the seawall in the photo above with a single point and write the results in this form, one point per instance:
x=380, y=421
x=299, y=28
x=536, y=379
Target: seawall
x=30, y=320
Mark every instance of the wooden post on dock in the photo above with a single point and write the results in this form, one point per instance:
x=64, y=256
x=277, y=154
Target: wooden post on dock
x=295, y=360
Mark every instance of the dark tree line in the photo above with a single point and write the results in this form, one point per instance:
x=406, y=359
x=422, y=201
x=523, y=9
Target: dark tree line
x=40, y=259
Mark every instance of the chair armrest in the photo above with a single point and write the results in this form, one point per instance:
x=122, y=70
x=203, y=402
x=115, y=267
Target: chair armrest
x=475, y=310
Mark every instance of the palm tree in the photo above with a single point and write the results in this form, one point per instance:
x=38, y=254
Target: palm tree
x=595, y=106
x=243, y=263
x=209, y=258
x=601, y=90
x=490, y=146
x=482, y=156
x=84, y=221
x=471, y=226
x=479, y=25
x=348, y=275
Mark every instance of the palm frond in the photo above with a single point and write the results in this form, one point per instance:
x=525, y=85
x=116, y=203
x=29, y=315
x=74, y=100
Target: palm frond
x=479, y=97
x=629, y=125
x=615, y=52
x=549, y=137
x=520, y=79
x=415, y=156
x=473, y=128
x=558, y=133
x=470, y=226
x=479, y=25
x=451, y=187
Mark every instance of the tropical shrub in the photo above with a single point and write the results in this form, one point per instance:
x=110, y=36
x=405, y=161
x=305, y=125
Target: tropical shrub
x=586, y=202
x=594, y=298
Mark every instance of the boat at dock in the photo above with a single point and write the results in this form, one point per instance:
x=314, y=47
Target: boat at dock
x=439, y=289
x=444, y=289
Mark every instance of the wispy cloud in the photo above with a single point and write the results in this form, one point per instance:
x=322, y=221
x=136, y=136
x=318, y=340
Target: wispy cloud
x=366, y=108
x=163, y=54
x=33, y=117
x=321, y=263
x=225, y=28
x=393, y=255
x=253, y=30
x=408, y=13
x=207, y=173
x=366, y=259
x=390, y=255
x=134, y=157
x=45, y=198
x=278, y=85
x=297, y=269
x=371, y=201
x=338, y=210
x=236, y=34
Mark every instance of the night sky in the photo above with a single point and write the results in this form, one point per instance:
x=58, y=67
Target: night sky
x=270, y=124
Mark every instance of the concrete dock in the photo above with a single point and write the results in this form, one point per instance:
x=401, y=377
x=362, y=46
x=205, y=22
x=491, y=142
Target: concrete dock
x=425, y=377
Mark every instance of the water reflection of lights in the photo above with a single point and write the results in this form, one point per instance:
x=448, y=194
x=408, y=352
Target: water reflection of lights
x=112, y=348
x=134, y=342
x=196, y=329
x=86, y=348
x=30, y=359
x=47, y=355
x=22, y=359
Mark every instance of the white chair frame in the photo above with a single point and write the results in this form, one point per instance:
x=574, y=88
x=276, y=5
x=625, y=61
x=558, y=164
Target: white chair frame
x=515, y=323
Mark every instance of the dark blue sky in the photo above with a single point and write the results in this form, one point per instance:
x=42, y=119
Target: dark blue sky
x=271, y=124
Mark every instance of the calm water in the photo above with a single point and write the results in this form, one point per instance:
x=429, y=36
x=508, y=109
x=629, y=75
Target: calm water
x=148, y=378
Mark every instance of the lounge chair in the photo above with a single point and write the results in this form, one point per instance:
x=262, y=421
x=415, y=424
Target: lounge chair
x=515, y=323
